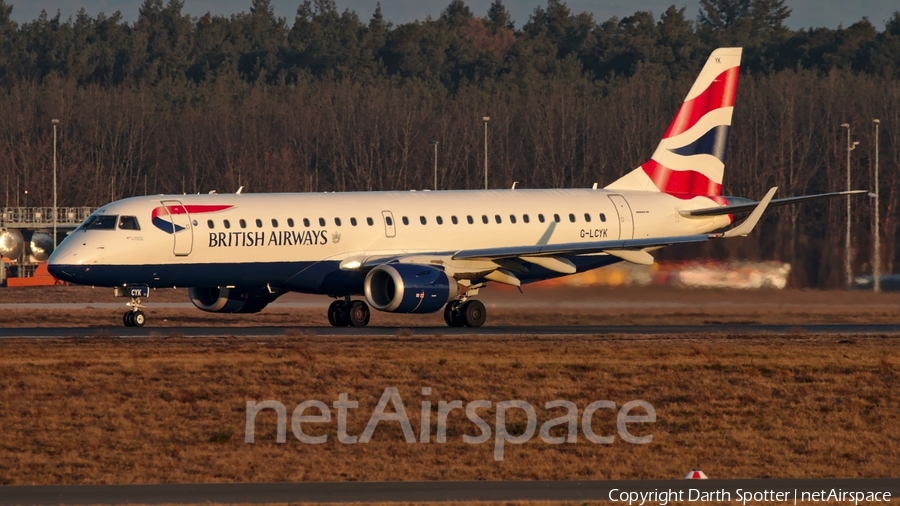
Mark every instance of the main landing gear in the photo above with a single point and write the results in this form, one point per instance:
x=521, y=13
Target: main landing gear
x=348, y=313
x=469, y=313
x=134, y=317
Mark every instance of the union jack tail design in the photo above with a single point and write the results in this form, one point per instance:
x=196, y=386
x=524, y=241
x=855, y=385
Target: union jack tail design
x=690, y=159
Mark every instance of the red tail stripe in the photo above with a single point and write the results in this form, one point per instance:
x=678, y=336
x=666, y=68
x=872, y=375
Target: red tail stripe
x=720, y=93
x=686, y=182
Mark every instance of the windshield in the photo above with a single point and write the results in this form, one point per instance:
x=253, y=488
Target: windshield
x=98, y=222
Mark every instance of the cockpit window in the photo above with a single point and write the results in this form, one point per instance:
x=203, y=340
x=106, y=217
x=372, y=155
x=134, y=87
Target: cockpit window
x=100, y=222
x=128, y=223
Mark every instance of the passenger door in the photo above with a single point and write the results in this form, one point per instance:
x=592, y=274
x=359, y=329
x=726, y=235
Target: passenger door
x=626, y=223
x=183, y=231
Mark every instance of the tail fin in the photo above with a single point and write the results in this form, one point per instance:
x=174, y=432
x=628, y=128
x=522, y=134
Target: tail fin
x=690, y=159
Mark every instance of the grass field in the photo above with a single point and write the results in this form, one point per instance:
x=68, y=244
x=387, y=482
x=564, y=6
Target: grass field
x=170, y=409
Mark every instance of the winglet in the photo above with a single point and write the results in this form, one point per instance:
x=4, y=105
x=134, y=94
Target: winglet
x=748, y=225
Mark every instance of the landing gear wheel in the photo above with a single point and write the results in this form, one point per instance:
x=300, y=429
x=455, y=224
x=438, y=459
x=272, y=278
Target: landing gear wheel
x=339, y=314
x=138, y=319
x=452, y=315
x=333, y=310
x=358, y=314
x=474, y=313
x=128, y=318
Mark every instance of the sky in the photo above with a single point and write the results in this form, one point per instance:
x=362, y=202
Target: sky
x=806, y=13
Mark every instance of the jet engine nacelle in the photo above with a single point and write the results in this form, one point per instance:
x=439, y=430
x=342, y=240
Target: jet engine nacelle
x=409, y=288
x=231, y=300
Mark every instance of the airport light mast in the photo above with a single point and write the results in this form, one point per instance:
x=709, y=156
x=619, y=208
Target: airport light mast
x=876, y=261
x=486, y=120
x=55, y=208
x=848, y=271
x=435, y=144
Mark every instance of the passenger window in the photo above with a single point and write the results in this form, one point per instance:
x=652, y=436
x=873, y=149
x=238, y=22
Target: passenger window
x=541, y=218
x=440, y=221
x=454, y=220
x=291, y=222
x=353, y=221
x=525, y=218
x=306, y=222
x=258, y=223
x=242, y=223
x=389, y=221
x=369, y=221
x=337, y=221
x=603, y=217
x=321, y=222
x=484, y=219
x=210, y=224
x=129, y=223
x=226, y=223
x=587, y=217
x=405, y=220
x=572, y=217
x=422, y=220
x=512, y=218
x=470, y=220
x=274, y=223
x=556, y=218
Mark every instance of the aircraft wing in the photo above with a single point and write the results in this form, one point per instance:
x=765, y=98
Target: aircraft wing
x=576, y=248
x=745, y=207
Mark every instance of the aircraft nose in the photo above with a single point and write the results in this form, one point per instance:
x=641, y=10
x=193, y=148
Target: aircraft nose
x=62, y=264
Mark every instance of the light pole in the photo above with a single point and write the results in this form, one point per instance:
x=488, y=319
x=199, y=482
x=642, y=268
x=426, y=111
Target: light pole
x=435, y=144
x=876, y=261
x=847, y=269
x=55, y=210
x=486, y=120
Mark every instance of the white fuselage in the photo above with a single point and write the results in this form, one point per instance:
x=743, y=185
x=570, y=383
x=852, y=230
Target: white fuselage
x=296, y=241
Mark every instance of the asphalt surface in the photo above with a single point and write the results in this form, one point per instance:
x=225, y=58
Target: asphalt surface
x=571, y=330
x=762, y=491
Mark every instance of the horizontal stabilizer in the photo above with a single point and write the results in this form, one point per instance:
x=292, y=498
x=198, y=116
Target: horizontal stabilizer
x=750, y=223
x=750, y=206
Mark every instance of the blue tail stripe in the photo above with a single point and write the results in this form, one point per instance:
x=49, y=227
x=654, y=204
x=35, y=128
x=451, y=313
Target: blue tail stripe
x=712, y=142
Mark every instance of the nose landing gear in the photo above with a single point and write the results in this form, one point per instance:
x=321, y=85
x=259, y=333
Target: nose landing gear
x=134, y=317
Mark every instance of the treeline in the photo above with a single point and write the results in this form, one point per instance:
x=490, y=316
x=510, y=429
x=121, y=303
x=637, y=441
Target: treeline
x=172, y=104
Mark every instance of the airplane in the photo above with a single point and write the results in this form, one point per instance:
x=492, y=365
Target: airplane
x=419, y=251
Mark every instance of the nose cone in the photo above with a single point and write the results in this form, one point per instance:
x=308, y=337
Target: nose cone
x=62, y=264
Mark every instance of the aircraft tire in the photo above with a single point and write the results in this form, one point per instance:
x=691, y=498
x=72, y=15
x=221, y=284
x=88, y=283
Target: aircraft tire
x=138, y=319
x=359, y=314
x=474, y=313
x=333, y=311
x=453, y=316
x=128, y=319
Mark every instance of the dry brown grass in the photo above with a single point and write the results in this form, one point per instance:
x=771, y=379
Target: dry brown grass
x=100, y=410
